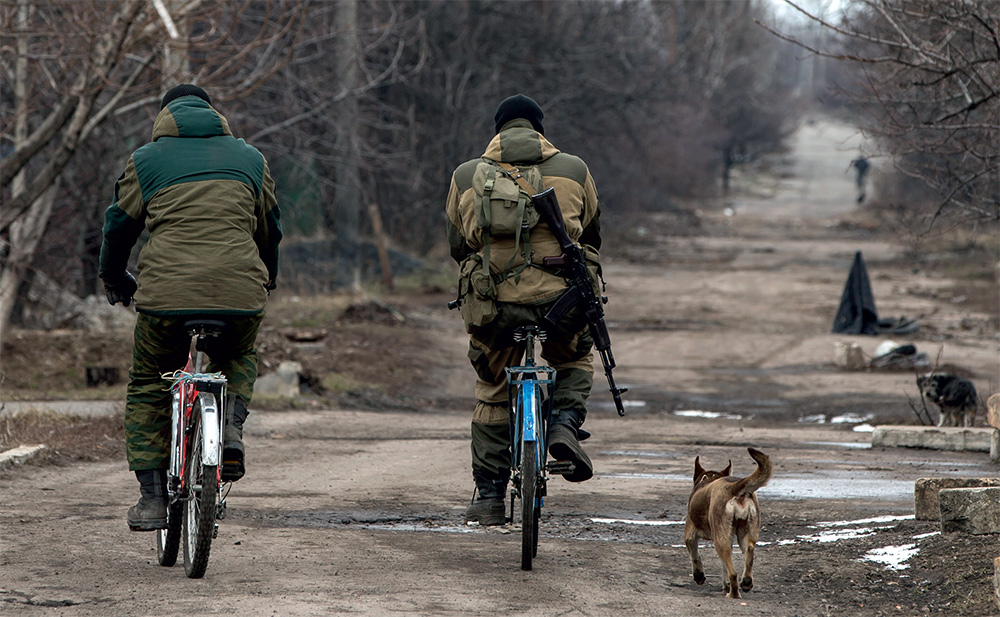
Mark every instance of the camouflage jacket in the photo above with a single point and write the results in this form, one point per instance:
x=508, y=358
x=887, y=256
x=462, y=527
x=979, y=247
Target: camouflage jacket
x=207, y=200
x=519, y=144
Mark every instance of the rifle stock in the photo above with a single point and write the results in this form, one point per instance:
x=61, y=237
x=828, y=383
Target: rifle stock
x=581, y=290
x=547, y=206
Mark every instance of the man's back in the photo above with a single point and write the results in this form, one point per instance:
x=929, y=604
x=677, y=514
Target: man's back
x=208, y=203
x=519, y=144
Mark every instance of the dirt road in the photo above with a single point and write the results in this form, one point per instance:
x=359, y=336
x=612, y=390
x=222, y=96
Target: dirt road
x=723, y=341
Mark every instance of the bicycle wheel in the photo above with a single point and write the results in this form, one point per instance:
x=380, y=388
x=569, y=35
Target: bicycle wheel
x=529, y=513
x=199, y=508
x=168, y=541
x=536, y=520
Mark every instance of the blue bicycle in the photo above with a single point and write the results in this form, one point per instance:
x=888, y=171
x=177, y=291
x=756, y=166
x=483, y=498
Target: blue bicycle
x=529, y=392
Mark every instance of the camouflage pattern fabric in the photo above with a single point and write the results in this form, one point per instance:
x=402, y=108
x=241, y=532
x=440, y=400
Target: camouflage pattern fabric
x=524, y=289
x=161, y=346
x=569, y=350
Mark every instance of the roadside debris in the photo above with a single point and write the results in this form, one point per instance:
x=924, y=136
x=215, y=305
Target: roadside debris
x=857, y=314
x=889, y=355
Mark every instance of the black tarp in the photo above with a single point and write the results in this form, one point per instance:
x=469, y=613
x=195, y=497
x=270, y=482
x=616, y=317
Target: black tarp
x=857, y=314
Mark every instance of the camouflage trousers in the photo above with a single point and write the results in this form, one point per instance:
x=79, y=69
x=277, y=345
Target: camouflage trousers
x=160, y=345
x=569, y=350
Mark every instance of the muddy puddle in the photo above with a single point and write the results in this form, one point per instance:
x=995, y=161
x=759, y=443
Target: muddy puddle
x=820, y=484
x=662, y=532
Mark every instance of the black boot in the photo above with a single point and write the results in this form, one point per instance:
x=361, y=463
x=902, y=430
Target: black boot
x=150, y=513
x=233, y=466
x=564, y=444
x=487, y=506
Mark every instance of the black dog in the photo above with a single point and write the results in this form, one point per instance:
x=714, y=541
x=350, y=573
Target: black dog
x=955, y=397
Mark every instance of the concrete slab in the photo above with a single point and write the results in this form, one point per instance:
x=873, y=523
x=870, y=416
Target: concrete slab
x=933, y=437
x=925, y=493
x=970, y=510
x=18, y=455
x=282, y=383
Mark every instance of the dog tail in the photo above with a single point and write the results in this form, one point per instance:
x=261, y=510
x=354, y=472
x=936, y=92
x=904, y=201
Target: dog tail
x=758, y=478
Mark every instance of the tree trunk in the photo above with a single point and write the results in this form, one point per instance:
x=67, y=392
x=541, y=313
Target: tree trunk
x=17, y=259
x=347, y=201
x=380, y=245
x=84, y=93
x=24, y=236
x=176, y=67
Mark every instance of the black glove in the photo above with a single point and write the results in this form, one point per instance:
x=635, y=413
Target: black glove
x=270, y=285
x=121, y=290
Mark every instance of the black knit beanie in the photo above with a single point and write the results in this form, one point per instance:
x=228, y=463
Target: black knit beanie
x=184, y=90
x=519, y=106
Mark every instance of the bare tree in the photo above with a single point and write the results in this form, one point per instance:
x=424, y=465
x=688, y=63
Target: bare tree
x=652, y=94
x=328, y=121
x=930, y=71
x=730, y=69
x=653, y=122
x=619, y=83
x=70, y=68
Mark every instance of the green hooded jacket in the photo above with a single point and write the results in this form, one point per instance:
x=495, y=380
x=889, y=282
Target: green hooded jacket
x=207, y=200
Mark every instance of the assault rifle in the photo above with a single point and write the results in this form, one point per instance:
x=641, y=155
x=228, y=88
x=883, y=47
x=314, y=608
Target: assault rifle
x=581, y=289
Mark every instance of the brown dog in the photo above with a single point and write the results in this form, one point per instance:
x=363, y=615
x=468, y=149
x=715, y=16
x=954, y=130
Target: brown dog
x=721, y=507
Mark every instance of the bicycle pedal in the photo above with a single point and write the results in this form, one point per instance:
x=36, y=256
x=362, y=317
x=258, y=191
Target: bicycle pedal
x=560, y=467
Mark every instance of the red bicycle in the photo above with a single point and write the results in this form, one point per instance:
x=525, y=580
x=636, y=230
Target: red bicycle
x=196, y=495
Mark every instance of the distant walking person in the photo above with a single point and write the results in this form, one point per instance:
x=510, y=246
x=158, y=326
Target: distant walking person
x=207, y=201
x=861, y=165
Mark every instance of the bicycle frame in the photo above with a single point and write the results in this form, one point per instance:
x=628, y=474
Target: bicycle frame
x=184, y=397
x=197, y=499
x=530, y=410
x=210, y=392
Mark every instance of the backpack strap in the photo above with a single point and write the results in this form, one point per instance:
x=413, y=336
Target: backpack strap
x=515, y=174
x=484, y=218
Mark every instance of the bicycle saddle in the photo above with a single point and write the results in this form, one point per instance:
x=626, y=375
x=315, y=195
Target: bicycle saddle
x=211, y=327
x=522, y=332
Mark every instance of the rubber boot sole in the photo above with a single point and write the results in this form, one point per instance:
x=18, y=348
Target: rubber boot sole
x=564, y=447
x=135, y=523
x=233, y=467
x=486, y=512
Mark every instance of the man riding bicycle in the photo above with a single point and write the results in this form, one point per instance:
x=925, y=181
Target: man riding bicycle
x=504, y=284
x=207, y=200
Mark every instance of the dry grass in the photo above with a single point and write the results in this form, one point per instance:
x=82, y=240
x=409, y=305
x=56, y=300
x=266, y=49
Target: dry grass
x=66, y=438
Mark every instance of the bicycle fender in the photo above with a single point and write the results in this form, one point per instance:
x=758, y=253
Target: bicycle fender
x=210, y=429
x=530, y=412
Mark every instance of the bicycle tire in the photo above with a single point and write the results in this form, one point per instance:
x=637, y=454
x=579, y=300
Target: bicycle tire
x=199, y=508
x=529, y=513
x=168, y=541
